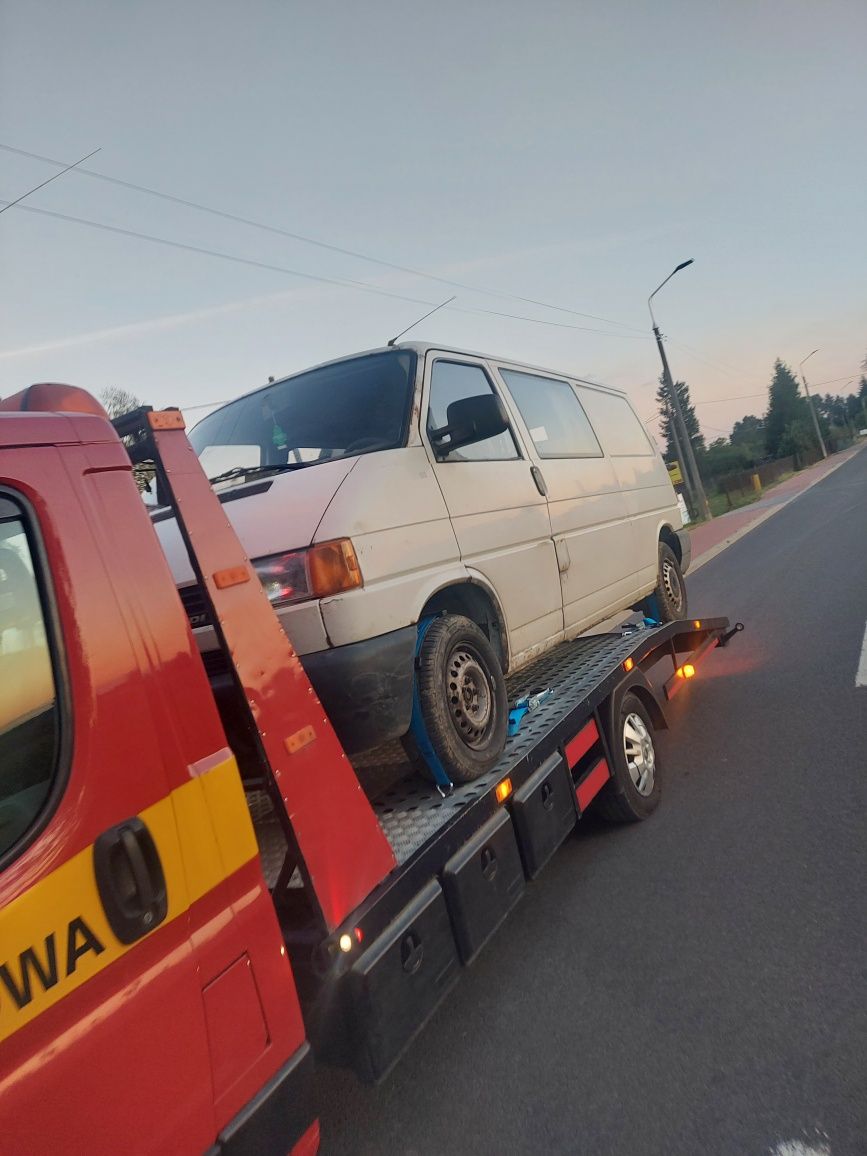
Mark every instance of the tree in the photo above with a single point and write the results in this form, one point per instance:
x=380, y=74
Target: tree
x=785, y=407
x=749, y=435
x=689, y=418
x=117, y=402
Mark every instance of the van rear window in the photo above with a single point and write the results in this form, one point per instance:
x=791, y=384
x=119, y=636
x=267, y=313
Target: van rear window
x=351, y=407
x=621, y=433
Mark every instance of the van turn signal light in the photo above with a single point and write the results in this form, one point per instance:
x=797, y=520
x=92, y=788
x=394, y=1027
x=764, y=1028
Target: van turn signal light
x=628, y=664
x=686, y=671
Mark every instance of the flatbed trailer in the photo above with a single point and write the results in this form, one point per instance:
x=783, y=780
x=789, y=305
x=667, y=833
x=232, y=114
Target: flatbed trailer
x=463, y=858
x=379, y=897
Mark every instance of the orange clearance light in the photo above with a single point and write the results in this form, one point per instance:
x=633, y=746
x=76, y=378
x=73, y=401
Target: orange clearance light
x=299, y=740
x=345, y=942
x=503, y=790
x=688, y=670
x=166, y=419
x=697, y=624
x=231, y=576
x=628, y=664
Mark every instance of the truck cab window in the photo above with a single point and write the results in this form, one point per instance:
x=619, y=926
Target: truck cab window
x=29, y=720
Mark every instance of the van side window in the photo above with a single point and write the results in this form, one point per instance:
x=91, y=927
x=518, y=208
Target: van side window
x=553, y=415
x=451, y=380
x=29, y=712
x=622, y=434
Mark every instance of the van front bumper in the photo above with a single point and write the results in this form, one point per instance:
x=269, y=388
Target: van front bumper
x=366, y=687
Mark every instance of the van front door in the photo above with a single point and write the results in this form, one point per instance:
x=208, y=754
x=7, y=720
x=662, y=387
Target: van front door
x=499, y=513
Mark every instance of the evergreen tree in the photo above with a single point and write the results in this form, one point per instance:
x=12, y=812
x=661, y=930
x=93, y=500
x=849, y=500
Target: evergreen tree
x=785, y=407
x=689, y=418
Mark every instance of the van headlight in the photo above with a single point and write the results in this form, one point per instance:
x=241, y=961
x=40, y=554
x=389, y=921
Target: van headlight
x=317, y=572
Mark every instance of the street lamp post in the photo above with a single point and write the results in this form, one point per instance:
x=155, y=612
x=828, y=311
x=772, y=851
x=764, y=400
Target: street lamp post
x=693, y=478
x=812, y=407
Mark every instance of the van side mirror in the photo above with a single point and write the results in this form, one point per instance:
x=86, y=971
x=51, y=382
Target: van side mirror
x=470, y=420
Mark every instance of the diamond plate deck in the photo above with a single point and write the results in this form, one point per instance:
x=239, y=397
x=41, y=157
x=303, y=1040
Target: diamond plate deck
x=412, y=811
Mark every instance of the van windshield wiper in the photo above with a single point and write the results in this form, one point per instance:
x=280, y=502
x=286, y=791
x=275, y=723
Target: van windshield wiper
x=256, y=471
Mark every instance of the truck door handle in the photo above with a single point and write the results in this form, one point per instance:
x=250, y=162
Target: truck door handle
x=130, y=879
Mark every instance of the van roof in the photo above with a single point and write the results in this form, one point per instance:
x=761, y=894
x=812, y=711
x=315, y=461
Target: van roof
x=423, y=347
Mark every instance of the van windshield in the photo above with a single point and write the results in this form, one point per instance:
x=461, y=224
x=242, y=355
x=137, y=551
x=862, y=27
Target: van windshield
x=352, y=407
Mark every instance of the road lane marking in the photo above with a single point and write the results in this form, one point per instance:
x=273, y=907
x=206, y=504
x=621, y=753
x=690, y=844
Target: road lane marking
x=861, y=676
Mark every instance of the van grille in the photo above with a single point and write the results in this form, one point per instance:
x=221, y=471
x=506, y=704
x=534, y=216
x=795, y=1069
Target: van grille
x=193, y=600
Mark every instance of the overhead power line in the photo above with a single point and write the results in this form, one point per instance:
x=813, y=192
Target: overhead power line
x=332, y=248
x=344, y=283
x=36, y=188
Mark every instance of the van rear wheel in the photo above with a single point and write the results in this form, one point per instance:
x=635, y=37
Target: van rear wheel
x=463, y=701
x=671, y=589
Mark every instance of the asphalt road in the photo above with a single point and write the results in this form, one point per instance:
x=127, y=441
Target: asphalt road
x=696, y=984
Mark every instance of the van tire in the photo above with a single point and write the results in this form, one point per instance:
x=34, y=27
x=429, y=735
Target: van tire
x=621, y=800
x=462, y=695
x=670, y=592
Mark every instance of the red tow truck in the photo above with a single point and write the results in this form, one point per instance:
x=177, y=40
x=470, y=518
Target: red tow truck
x=178, y=936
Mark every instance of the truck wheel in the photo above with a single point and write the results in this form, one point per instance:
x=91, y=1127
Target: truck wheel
x=632, y=793
x=671, y=589
x=463, y=699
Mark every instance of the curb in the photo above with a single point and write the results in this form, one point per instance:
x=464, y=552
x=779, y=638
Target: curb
x=708, y=555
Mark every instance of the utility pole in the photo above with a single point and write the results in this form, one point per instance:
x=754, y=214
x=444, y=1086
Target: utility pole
x=698, y=498
x=812, y=408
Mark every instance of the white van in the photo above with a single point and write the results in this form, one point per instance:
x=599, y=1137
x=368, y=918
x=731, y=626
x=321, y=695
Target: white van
x=426, y=521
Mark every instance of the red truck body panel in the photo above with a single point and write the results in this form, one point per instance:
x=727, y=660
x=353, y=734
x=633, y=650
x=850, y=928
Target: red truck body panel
x=129, y=1041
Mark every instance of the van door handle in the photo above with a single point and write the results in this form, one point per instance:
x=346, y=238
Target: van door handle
x=539, y=480
x=130, y=879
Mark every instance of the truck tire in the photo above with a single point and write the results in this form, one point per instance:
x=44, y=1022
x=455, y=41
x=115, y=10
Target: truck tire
x=462, y=694
x=633, y=791
x=670, y=592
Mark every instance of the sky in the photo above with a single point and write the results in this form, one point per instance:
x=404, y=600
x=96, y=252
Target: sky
x=561, y=153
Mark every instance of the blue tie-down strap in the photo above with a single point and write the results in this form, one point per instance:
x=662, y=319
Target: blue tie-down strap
x=417, y=727
x=523, y=706
x=650, y=606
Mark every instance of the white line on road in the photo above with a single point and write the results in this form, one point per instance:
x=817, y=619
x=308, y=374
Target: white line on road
x=861, y=676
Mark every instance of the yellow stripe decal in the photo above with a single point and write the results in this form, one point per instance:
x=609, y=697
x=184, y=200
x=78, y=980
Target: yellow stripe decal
x=55, y=936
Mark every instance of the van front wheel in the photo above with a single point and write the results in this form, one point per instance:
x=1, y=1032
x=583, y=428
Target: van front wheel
x=462, y=695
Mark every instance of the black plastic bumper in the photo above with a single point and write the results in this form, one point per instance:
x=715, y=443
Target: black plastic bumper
x=366, y=687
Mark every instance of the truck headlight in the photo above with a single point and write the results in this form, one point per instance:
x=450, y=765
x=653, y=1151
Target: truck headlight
x=317, y=572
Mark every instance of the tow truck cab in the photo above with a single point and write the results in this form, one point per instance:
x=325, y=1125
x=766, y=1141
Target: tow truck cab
x=146, y=997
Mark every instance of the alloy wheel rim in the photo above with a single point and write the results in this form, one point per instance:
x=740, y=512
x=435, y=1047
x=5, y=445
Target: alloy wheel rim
x=640, y=755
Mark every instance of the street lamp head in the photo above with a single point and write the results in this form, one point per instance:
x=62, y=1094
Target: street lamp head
x=807, y=358
x=682, y=265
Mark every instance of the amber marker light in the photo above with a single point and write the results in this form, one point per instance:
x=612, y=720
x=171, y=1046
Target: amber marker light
x=504, y=789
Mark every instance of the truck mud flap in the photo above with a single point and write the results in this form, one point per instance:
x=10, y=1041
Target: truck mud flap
x=397, y=983
x=544, y=813
x=482, y=883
